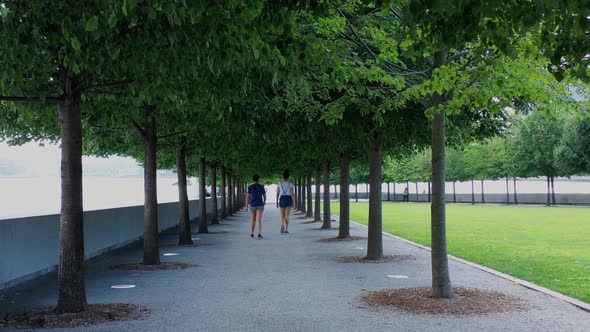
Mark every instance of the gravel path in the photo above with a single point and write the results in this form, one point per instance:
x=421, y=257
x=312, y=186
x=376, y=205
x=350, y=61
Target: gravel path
x=287, y=283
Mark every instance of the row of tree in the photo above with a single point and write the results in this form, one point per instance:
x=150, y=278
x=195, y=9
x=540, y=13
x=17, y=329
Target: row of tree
x=539, y=144
x=258, y=86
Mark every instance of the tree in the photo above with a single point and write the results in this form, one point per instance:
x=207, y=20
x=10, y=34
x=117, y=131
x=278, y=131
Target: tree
x=532, y=150
x=455, y=168
x=572, y=155
x=58, y=58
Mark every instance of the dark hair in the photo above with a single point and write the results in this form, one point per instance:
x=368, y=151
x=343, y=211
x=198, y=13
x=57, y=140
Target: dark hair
x=255, y=177
x=286, y=174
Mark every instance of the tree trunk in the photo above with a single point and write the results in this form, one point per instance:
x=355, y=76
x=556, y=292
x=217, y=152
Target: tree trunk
x=472, y=192
x=335, y=191
x=344, y=228
x=301, y=197
x=184, y=224
x=202, y=197
x=151, y=251
x=482, y=193
x=303, y=194
x=429, y=198
x=214, y=218
x=356, y=192
x=318, y=181
x=236, y=194
x=240, y=194
x=296, y=198
x=223, y=194
x=553, y=190
x=548, y=192
x=327, y=212
x=388, y=192
x=394, y=191
x=514, y=185
x=441, y=280
x=417, y=197
x=309, y=198
x=507, y=192
x=375, y=236
x=454, y=193
x=367, y=190
x=230, y=195
x=72, y=289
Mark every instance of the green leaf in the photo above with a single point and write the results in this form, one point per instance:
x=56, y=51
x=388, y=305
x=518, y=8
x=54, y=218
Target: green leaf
x=75, y=43
x=92, y=24
x=124, y=8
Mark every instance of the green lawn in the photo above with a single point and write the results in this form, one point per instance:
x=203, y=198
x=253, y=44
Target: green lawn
x=549, y=246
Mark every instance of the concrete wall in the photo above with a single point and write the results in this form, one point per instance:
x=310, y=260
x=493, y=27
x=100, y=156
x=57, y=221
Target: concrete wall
x=560, y=199
x=29, y=246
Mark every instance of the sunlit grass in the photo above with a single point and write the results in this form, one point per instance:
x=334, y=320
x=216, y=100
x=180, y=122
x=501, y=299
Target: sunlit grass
x=549, y=246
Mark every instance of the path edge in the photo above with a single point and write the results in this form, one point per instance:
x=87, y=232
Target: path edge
x=527, y=284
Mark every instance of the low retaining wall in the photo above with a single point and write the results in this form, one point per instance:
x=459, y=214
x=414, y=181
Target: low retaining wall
x=541, y=199
x=29, y=246
x=560, y=199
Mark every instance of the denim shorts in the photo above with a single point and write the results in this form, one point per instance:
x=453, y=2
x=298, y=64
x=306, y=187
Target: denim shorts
x=256, y=208
x=285, y=201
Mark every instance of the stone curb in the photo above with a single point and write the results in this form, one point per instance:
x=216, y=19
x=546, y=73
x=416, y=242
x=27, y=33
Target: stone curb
x=580, y=304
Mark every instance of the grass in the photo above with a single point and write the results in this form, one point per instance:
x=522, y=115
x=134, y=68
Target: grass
x=549, y=246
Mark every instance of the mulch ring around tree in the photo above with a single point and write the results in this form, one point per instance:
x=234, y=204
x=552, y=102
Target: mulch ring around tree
x=335, y=239
x=160, y=267
x=363, y=259
x=94, y=314
x=466, y=301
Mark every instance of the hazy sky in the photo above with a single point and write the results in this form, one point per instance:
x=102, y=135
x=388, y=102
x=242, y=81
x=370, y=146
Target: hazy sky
x=43, y=159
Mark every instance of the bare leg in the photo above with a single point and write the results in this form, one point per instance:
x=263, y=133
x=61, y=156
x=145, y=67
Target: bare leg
x=287, y=214
x=283, y=217
x=259, y=219
x=253, y=222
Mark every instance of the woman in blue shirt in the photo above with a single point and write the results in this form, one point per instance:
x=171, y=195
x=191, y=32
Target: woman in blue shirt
x=285, y=199
x=256, y=198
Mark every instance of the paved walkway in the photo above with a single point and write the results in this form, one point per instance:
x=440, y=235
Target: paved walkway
x=287, y=283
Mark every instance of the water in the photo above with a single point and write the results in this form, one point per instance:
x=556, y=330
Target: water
x=31, y=196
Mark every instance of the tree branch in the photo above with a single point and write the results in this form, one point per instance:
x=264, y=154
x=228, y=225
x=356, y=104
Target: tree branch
x=84, y=89
x=99, y=92
x=173, y=134
x=137, y=127
x=387, y=65
x=109, y=129
x=192, y=147
x=167, y=145
x=49, y=99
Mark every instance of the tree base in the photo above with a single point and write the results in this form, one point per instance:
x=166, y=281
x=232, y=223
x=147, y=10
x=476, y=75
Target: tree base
x=47, y=318
x=161, y=266
x=364, y=259
x=184, y=243
x=337, y=239
x=467, y=301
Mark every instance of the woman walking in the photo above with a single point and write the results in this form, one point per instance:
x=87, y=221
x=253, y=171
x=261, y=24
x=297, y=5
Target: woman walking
x=256, y=198
x=285, y=199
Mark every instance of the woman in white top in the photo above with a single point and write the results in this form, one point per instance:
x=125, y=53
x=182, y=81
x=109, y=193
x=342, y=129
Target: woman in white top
x=285, y=199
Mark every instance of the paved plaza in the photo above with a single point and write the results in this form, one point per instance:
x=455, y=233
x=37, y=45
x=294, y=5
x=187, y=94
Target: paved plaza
x=286, y=283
